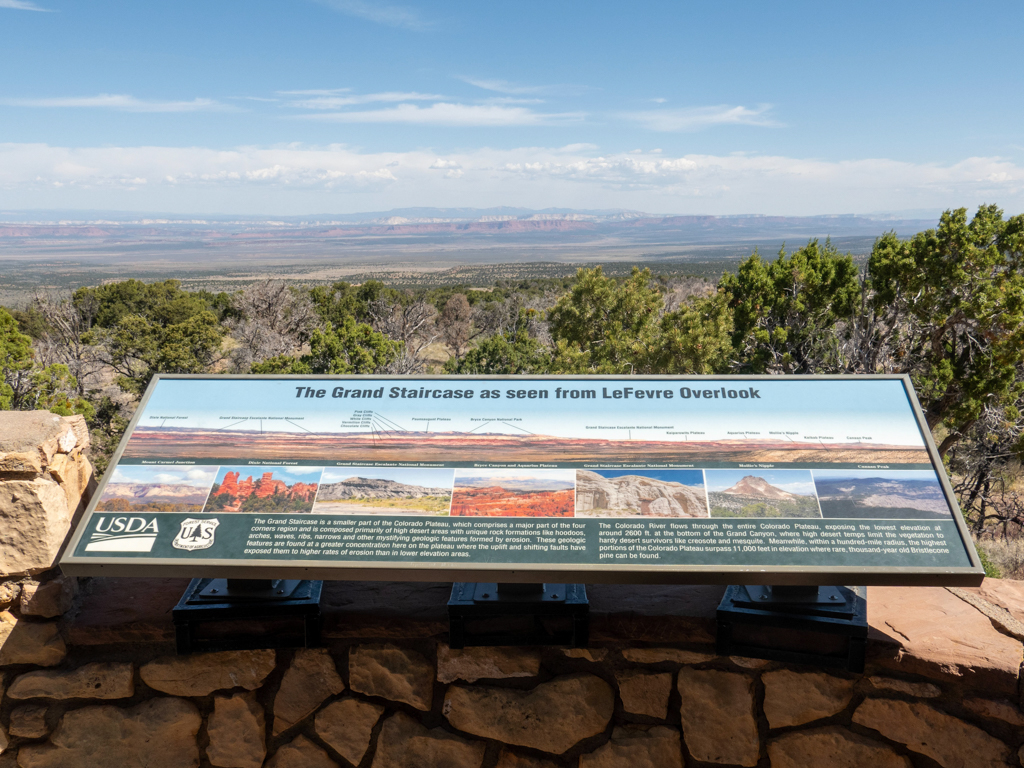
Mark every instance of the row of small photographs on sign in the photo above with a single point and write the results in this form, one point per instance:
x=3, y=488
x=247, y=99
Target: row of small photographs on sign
x=677, y=493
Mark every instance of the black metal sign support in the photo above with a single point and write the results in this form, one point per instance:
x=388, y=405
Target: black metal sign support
x=823, y=626
x=220, y=614
x=481, y=613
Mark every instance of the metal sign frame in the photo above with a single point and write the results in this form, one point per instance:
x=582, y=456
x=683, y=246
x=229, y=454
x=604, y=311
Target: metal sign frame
x=485, y=572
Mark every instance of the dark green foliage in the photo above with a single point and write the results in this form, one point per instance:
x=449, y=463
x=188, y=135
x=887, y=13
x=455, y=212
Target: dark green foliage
x=349, y=348
x=781, y=307
x=510, y=352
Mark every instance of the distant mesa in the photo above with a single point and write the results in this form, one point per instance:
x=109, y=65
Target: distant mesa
x=636, y=495
x=151, y=497
x=758, y=487
x=882, y=497
x=754, y=496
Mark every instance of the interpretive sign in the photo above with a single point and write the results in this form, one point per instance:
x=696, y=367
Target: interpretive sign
x=758, y=480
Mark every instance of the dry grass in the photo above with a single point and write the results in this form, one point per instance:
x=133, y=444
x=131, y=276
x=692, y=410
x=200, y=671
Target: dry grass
x=1006, y=554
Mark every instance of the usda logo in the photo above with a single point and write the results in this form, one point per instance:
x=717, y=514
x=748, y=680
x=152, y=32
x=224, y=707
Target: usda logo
x=122, y=534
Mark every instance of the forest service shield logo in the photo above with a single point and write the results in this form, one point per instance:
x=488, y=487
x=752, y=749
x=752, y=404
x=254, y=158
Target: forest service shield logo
x=195, y=534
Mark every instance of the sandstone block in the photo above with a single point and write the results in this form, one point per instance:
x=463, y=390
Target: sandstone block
x=30, y=642
x=76, y=477
x=950, y=742
x=4, y=741
x=938, y=635
x=645, y=694
x=203, y=673
x=237, y=731
x=834, y=747
x=996, y=710
x=551, y=717
x=346, y=725
x=510, y=759
x=29, y=721
x=404, y=743
x=659, y=655
x=472, y=664
x=99, y=680
x=34, y=521
x=659, y=747
x=48, y=599
x=300, y=752
x=717, y=714
x=917, y=690
x=160, y=733
x=39, y=434
x=392, y=673
x=793, y=698
x=310, y=679
x=587, y=654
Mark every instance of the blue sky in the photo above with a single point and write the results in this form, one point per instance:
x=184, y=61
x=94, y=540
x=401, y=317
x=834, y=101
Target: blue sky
x=320, y=106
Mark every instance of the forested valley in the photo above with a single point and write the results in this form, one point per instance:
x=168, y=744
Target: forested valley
x=945, y=306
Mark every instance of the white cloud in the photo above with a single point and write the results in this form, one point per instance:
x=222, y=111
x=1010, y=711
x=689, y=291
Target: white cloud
x=389, y=15
x=698, y=118
x=504, y=86
x=336, y=102
x=22, y=5
x=300, y=179
x=120, y=103
x=443, y=113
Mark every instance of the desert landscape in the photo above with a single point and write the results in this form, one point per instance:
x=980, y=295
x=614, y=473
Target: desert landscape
x=496, y=493
x=377, y=495
x=181, y=442
x=610, y=494
x=875, y=494
x=156, y=489
x=755, y=496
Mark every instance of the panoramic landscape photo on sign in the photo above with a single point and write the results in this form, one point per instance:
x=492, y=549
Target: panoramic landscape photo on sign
x=631, y=478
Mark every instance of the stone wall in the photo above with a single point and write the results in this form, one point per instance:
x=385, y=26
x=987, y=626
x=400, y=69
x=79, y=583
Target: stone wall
x=89, y=677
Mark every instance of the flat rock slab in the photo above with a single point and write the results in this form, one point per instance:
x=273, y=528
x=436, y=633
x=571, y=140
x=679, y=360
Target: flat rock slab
x=1005, y=593
x=387, y=610
x=472, y=664
x=309, y=680
x=552, y=717
x=666, y=655
x=645, y=693
x=28, y=430
x=948, y=741
x=392, y=673
x=717, y=712
x=996, y=710
x=917, y=690
x=659, y=747
x=834, y=747
x=655, y=614
x=300, y=752
x=160, y=733
x=99, y=680
x=203, y=673
x=237, y=731
x=347, y=725
x=404, y=743
x=794, y=698
x=129, y=610
x=24, y=641
x=935, y=634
